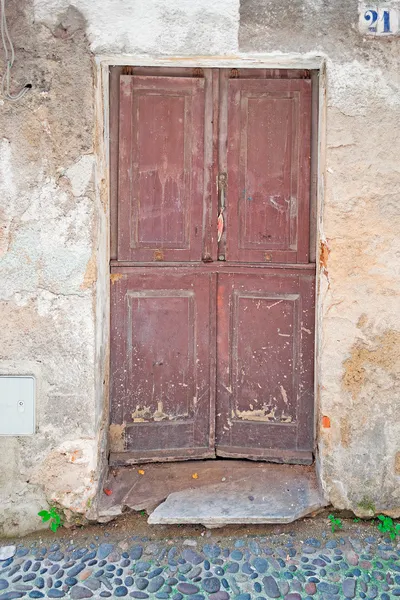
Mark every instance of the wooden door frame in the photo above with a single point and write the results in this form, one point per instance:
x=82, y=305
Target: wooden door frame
x=104, y=166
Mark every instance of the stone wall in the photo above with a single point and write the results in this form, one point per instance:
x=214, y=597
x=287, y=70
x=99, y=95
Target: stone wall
x=53, y=240
x=48, y=260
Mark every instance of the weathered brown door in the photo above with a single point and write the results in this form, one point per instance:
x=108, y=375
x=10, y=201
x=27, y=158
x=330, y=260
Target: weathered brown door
x=212, y=320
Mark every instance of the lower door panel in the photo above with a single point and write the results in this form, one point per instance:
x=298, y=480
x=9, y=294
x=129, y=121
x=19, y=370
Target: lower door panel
x=265, y=356
x=162, y=364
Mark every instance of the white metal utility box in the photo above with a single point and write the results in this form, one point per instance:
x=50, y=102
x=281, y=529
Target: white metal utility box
x=17, y=405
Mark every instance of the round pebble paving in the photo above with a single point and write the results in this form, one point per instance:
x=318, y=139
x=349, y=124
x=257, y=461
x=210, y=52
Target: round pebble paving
x=254, y=568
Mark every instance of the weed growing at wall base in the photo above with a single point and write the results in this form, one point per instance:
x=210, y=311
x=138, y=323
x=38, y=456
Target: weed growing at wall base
x=335, y=523
x=53, y=516
x=387, y=525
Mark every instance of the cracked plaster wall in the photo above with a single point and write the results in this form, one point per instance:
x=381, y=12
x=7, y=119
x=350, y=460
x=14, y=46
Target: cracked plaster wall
x=53, y=257
x=48, y=262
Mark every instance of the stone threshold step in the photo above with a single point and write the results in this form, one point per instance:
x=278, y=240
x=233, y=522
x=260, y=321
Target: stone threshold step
x=213, y=493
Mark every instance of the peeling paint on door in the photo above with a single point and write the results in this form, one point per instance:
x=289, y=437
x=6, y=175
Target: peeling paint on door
x=166, y=317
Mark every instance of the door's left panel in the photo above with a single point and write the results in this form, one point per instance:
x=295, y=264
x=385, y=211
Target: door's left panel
x=165, y=186
x=162, y=364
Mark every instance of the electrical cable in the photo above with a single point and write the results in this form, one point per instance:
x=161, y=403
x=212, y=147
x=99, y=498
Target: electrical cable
x=9, y=59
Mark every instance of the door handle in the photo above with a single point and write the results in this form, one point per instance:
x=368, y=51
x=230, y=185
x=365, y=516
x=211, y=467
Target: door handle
x=221, y=193
x=220, y=226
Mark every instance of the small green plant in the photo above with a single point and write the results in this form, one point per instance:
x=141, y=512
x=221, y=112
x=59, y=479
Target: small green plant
x=335, y=523
x=356, y=520
x=387, y=525
x=53, y=516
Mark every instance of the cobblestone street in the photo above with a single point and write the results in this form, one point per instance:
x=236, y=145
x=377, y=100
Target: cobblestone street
x=128, y=558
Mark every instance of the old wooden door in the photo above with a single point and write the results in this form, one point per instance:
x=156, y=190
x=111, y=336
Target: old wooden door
x=212, y=293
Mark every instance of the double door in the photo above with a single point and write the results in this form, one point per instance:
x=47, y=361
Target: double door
x=212, y=286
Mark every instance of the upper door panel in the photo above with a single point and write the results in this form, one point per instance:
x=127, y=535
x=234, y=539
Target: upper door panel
x=163, y=190
x=268, y=170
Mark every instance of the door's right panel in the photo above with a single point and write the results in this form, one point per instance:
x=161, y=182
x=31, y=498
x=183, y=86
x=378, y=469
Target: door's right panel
x=268, y=170
x=265, y=349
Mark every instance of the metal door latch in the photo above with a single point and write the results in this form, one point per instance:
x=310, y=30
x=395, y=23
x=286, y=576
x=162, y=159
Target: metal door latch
x=221, y=192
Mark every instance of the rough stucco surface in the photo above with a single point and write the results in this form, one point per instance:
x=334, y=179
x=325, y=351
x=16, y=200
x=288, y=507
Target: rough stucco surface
x=53, y=240
x=156, y=26
x=359, y=328
x=47, y=268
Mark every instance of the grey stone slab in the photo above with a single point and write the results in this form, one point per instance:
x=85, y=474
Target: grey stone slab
x=257, y=493
x=135, y=491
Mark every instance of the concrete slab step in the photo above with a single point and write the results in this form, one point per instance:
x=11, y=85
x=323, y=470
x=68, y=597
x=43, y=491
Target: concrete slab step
x=263, y=494
x=212, y=492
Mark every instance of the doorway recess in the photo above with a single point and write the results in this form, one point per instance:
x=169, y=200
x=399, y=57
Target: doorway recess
x=213, y=292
